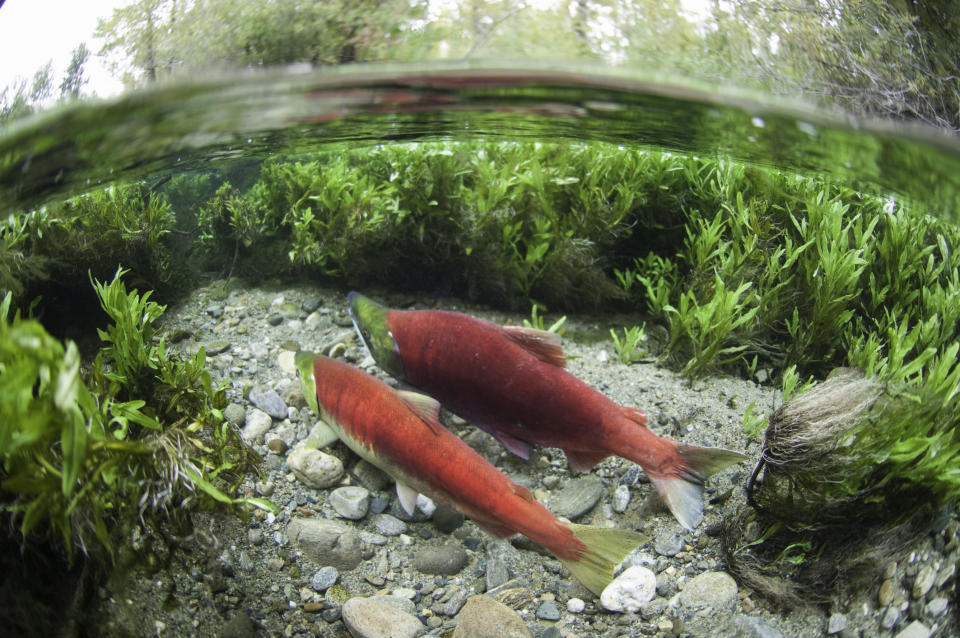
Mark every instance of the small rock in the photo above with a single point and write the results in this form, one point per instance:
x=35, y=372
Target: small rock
x=398, y=600
x=484, y=617
x=389, y=525
x=447, y=519
x=748, y=627
x=937, y=606
x=277, y=446
x=256, y=423
x=286, y=362
x=234, y=413
x=890, y=617
x=716, y=590
x=370, y=476
x=214, y=348
x=274, y=319
x=548, y=611
x=576, y=606
x=254, y=536
x=577, y=498
x=923, y=581
x=269, y=401
x=238, y=626
x=885, y=595
x=314, y=468
x=351, y=501
x=836, y=623
x=445, y=559
x=635, y=586
x=326, y=542
x=455, y=603
x=370, y=618
x=621, y=499
x=668, y=543
x=324, y=579
x=916, y=629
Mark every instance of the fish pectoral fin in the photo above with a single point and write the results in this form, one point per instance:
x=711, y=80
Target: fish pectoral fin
x=497, y=530
x=427, y=408
x=542, y=344
x=320, y=436
x=518, y=446
x=584, y=461
x=408, y=498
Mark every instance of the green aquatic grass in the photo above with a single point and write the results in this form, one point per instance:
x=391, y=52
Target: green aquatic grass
x=85, y=455
x=630, y=349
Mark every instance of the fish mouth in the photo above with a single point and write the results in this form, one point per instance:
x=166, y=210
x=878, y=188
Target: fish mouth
x=370, y=321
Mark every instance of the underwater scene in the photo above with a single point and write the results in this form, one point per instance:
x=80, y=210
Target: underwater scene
x=459, y=349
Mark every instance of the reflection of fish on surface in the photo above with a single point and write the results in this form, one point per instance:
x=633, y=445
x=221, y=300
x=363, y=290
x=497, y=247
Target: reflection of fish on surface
x=510, y=381
x=399, y=432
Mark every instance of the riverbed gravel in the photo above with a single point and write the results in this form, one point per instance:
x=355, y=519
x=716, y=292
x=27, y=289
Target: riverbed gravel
x=342, y=558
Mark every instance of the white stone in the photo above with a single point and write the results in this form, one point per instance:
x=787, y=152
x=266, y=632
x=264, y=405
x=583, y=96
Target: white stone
x=351, y=502
x=372, y=618
x=715, y=590
x=628, y=591
x=621, y=499
x=285, y=361
x=575, y=605
x=314, y=468
x=256, y=423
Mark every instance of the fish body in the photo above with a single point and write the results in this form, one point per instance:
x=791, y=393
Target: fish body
x=511, y=382
x=400, y=433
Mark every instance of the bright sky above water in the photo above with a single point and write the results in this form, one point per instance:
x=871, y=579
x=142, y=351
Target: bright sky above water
x=32, y=32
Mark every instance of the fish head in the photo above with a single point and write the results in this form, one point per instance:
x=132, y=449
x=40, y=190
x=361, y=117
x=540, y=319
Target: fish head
x=370, y=320
x=304, y=362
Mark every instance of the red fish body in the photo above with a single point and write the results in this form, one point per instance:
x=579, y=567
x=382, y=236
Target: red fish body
x=399, y=432
x=511, y=382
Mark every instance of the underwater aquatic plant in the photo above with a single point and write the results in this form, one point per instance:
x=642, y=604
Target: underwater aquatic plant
x=144, y=435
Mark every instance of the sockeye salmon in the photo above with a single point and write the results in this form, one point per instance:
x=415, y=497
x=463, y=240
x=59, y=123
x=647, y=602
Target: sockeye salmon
x=400, y=433
x=511, y=382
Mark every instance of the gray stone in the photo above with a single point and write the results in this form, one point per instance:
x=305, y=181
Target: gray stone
x=923, y=581
x=398, y=602
x=654, y=608
x=370, y=618
x=447, y=519
x=577, y=498
x=325, y=542
x=715, y=590
x=890, y=617
x=503, y=560
x=916, y=629
x=235, y=414
x=371, y=476
x=213, y=348
x=937, y=606
x=484, y=617
x=324, y=579
x=621, y=499
x=456, y=601
x=548, y=610
x=836, y=623
x=314, y=468
x=350, y=502
x=269, y=401
x=444, y=559
x=256, y=423
x=668, y=543
x=743, y=626
x=255, y=536
x=628, y=591
x=215, y=311
x=389, y=525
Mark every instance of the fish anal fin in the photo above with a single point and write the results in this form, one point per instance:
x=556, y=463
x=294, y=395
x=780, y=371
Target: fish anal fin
x=427, y=408
x=542, y=344
x=518, y=446
x=408, y=498
x=584, y=461
x=635, y=415
x=497, y=530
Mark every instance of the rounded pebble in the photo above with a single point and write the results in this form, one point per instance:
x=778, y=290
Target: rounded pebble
x=389, y=525
x=577, y=498
x=716, y=590
x=255, y=424
x=324, y=579
x=370, y=618
x=269, y=401
x=548, y=611
x=314, y=468
x=576, y=606
x=352, y=501
x=628, y=591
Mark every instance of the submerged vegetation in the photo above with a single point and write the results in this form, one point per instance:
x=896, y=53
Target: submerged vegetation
x=86, y=451
x=735, y=268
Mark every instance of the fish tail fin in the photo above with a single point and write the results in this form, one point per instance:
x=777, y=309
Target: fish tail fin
x=605, y=549
x=681, y=487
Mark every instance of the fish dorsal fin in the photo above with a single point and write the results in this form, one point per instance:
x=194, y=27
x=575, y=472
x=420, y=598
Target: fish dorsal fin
x=320, y=436
x=427, y=408
x=408, y=498
x=584, y=461
x=635, y=415
x=542, y=344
